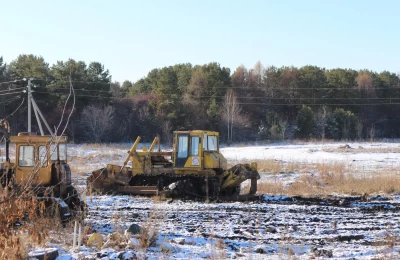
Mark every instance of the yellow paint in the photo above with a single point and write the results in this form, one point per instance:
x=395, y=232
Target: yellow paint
x=214, y=160
x=207, y=159
x=35, y=174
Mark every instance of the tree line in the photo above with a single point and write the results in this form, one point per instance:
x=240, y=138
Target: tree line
x=248, y=104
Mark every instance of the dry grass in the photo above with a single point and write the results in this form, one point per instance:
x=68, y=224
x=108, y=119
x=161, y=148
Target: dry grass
x=328, y=178
x=106, y=146
x=218, y=248
x=266, y=142
x=83, y=165
x=149, y=229
x=279, y=167
x=325, y=184
x=361, y=149
x=25, y=223
x=325, y=178
x=96, y=156
x=274, y=186
x=3, y=150
x=312, y=141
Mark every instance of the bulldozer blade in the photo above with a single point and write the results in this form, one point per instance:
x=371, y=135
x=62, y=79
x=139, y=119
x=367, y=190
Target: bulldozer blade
x=238, y=174
x=138, y=190
x=253, y=186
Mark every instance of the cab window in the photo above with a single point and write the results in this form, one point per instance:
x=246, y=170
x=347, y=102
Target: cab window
x=26, y=156
x=42, y=152
x=53, y=152
x=183, y=143
x=63, y=151
x=212, y=143
x=195, y=145
x=205, y=147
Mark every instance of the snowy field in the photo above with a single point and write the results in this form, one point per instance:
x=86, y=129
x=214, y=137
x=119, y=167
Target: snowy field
x=319, y=153
x=271, y=229
x=276, y=227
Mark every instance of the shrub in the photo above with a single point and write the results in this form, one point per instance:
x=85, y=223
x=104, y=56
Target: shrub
x=342, y=125
x=305, y=122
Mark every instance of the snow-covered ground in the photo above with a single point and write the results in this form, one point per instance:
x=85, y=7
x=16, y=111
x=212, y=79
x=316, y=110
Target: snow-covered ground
x=273, y=228
x=320, y=153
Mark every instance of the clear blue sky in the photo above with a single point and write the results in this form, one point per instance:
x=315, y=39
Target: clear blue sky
x=132, y=37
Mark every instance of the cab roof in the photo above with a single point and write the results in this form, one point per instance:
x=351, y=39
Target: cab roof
x=26, y=137
x=197, y=132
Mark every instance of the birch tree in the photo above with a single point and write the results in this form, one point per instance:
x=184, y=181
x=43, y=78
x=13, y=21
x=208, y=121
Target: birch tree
x=283, y=125
x=231, y=110
x=322, y=117
x=97, y=122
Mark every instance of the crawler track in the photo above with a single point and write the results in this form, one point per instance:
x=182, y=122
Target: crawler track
x=272, y=226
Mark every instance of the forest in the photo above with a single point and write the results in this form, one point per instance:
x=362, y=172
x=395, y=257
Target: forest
x=247, y=104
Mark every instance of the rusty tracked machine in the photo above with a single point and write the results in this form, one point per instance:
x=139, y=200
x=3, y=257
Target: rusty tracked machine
x=40, y=169
x=195, y=169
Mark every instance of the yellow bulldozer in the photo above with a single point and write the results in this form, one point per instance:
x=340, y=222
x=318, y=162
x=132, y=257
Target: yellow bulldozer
x=39, y=169
x=194, y=168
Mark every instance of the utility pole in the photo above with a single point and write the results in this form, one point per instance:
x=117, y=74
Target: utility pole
x=38, y=113
x=29, y=106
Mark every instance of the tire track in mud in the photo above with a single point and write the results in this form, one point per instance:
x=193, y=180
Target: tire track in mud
x=305, y=225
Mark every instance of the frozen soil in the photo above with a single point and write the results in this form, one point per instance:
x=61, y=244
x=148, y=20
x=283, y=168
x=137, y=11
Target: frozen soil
x=274, y=227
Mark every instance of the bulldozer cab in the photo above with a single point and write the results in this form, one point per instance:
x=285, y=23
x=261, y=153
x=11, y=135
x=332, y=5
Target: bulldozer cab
x=198, y=149
x=36, y=155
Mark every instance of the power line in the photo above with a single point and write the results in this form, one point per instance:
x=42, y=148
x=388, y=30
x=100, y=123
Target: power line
x=294, y=88
x=246, y=97
x=74, y=81
x=15, y=109
x=10, y=82
x=288, y=98
x=92, y=82
x=82, y=89
x=288, y=90
x=316, y=104
x=8, y=90
x=10, y=93
x=269, y=98
x=270, y=104
x=75, y=95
